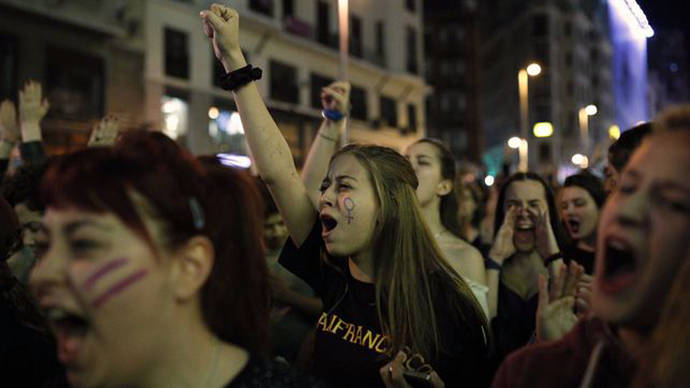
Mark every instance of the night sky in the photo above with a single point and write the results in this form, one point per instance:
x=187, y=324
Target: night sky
x=667, y=14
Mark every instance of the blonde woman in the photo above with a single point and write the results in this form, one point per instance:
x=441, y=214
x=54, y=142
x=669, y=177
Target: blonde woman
x=394, y=309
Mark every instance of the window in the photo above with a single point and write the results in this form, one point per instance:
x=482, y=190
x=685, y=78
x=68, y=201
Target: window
x=389, y=111
x=358, y=99
x=356, y=36
x=262, y=6
x=412, y=117
x=284, y=82
x=175, y=113
x=317, y=83
x=76, y=85
x=412, y=66
x=567, y=29
x=288, y=8
x=569, y=59
x=380, y=39
x=176, y=53
x=541, y=25
x=323, y=33
x=410, y=5
x=544, y=152
x=542, y=53
x=8, y=66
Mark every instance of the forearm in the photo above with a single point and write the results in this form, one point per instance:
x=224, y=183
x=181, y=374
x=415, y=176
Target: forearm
x=322, y=149
x=308, y=305
x=31, y=131
x=5, y=149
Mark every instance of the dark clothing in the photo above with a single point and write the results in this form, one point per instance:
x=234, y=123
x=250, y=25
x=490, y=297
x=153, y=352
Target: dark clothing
x=28, y=358
x=565, y=363
x=350, y=348
x=31, y=152
x=264, y=374
x=580, y=256
x=514, y=323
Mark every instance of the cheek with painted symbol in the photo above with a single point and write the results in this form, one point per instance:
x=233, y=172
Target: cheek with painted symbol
x=109, y=280
x=349, y=205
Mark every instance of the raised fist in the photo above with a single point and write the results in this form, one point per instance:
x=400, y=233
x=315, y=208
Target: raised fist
x=221, y=25
x=336, y=96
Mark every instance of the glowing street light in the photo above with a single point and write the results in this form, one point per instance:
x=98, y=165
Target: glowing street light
x=533, y=69
x=213, y=113
x=489, y=180
x=591, y=110
x=614, y=132
x=544, y=129
x=514, y=142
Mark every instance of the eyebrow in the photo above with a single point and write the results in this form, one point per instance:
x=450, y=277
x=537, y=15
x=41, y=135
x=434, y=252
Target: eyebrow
x=341, y=177
x=73, y=226
x=668, y=185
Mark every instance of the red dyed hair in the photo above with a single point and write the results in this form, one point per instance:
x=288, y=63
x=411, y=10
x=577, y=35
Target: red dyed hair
x=234, y=299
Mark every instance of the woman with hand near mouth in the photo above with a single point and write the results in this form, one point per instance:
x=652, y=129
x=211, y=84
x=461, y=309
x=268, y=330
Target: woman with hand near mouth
x=525, y=246
x=642, y=244
x=393, y=306
x=580, y=200
x=144, y=280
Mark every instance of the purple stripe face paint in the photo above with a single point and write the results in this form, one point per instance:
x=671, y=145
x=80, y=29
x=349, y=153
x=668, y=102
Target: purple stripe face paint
x=104, y=270
x=119, y=287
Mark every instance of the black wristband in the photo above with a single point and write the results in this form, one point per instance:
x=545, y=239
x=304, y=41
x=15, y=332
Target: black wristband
x=552, y=258
x=240, y=77
x=490, y=263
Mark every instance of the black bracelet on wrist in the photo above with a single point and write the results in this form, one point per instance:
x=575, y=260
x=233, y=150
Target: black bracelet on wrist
x=240, y=77
x=490, y=263
x=552, y=258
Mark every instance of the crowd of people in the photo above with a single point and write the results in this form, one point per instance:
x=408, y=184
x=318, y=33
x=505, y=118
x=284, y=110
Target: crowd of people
x=133, y=263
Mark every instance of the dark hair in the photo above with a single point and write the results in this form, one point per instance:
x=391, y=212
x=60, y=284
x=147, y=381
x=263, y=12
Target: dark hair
x=236, y=232
x=621, y=150
x=24, y=186
x=590, y=183
x=548, y=194
x=174, y=185
x=449, y=202
x=10, y=230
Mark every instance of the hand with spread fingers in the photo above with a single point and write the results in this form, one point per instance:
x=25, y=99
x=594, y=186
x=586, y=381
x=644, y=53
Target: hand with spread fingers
x=336, y=96
x=105, y=133
x=32, y=108
x=409, y=372
x=503, y=246
x=221, y=25
x=546, y=242
x=9, y=128
x=555, y=316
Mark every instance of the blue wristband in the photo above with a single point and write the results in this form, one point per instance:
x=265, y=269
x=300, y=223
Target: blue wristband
x=489, y=263
x=332, y=115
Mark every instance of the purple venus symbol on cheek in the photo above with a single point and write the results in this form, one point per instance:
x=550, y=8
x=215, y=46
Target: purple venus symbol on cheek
x=349, y=206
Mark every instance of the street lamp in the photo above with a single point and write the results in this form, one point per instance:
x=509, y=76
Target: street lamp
x=514, y=142
x=614, y=132
x=343, y=29
x=521, y=145
x=544, y=129
x=584, y=113
x=533, y=69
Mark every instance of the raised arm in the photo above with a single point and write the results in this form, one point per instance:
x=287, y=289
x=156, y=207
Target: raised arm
x=268, y=146
x=334, y=98
x=9, y=133
x=32, y=108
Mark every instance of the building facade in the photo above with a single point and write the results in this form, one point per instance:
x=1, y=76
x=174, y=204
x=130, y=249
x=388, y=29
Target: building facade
x=570, y=41
x=157, y=68
x=452, y=70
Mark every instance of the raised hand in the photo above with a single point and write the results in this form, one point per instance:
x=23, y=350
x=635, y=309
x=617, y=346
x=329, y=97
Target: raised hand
x=105, y=133
x=503, y=246
x=222, y=25
x=546, y=243
x=583, y=295
x=9, y=128
x=393, y=373
x=555, y=316
x=32, y=108
x=336, y=96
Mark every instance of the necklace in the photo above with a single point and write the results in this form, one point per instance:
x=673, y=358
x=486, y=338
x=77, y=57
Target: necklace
x=212, y=372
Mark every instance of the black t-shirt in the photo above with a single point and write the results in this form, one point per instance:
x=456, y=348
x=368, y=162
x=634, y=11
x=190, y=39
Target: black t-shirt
x=350, y=348
x=260, y=373
x=514, y=323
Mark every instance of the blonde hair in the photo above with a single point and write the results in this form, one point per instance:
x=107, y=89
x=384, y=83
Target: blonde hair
x=405, y=255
